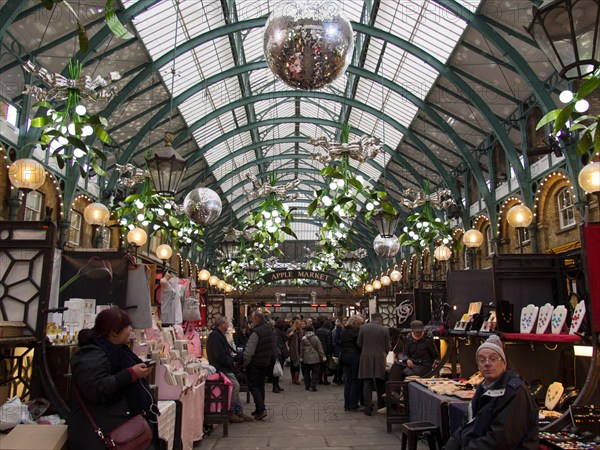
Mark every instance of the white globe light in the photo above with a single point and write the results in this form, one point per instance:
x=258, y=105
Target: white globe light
x=582, y=106
x=566, y=96
x=80, y=110
x=140, y=217
x=87, y=130
x=137, y=236
x=164, y=251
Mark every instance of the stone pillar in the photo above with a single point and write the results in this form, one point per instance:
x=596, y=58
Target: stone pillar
x=13, y=206
x=63, y=227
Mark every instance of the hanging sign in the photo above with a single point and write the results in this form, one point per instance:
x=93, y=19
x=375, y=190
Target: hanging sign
x=296, y=274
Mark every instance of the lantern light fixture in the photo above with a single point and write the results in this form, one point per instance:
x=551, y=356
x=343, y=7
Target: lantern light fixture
x=568, y=33
x=386, y=280
x=376, y=285
x=213, y=280
x=166, y=168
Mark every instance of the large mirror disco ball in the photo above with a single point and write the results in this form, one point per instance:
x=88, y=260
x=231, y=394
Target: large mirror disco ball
x=308, y=44
x=203, y=206
x=386, y=247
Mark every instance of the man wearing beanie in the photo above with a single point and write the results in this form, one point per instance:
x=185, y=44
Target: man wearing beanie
x=502, y=415
x=420, y=353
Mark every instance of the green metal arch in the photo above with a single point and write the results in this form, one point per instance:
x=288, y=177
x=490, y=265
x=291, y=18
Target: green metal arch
x=290, y=139
x=192, y=127
x=469, y=93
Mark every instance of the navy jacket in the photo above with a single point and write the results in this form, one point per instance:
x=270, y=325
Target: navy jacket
x=218, y=352
x=502, y=417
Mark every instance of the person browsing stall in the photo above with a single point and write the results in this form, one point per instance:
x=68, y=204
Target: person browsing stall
x=219, y=351
x=502, y=414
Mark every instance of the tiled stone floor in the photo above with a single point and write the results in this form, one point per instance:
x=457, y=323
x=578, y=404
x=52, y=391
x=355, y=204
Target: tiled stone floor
x=306, y=420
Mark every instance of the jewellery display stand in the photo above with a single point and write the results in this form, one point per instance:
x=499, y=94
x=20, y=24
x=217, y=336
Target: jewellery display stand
x=559, y=317
x=528, y=318
x=544, y=318
x=577, y=319
x=553, y=395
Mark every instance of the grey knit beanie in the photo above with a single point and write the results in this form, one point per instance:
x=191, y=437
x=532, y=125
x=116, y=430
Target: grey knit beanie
x=493, y=343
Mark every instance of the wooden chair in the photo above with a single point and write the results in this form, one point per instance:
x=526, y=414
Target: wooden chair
x=396, y=400
x=216, y=405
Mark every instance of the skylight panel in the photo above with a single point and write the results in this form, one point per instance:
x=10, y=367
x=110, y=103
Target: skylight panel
x=253, y=45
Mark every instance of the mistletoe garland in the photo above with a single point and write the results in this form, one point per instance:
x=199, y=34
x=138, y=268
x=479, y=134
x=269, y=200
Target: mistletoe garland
x=261, y=235
x=424, y=229
x=63, y=130
x=158, y=214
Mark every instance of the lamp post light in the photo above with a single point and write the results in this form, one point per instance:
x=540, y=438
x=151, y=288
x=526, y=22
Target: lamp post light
x=164, y=253
x=26, y=175
x=136, y=237
x=568, y=32
x=204, y=275
x=519, y=217
x=473, y=240
x=376, y=284
x=442, y=253
x=589, y=179
x=96, y=214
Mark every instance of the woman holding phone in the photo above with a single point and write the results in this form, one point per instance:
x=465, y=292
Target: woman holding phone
x=110, y=379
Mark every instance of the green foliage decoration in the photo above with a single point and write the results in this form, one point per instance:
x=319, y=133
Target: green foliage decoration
x=584, y=124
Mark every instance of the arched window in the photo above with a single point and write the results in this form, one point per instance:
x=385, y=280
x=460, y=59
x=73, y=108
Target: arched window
x=566, y=210
x=33, y=206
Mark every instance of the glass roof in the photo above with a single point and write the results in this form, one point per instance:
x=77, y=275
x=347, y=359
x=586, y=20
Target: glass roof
x=171, y=23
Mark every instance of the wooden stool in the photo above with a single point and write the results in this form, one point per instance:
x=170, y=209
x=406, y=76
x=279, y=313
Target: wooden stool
x=416, y=430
